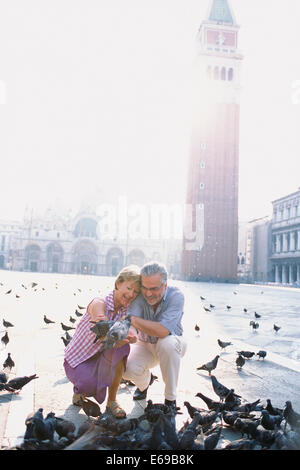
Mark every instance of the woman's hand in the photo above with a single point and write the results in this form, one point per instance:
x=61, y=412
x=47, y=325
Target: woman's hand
x=131, y=338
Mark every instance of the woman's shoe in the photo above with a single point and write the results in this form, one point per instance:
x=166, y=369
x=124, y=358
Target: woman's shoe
x=77, y=399
x=115, y=409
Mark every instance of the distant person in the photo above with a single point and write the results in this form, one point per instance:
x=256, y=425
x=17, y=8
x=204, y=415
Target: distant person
x=87, y=366
x=156, y=314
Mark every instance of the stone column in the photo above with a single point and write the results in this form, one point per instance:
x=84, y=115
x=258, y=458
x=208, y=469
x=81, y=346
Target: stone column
x=277, y=280
x=284, y=248
x=292, y=241
x=298, y=247
x=290, y=274
x=277, y=243
x=283, y=280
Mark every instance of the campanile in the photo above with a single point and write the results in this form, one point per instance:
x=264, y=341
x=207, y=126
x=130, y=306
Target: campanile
x=210, y=244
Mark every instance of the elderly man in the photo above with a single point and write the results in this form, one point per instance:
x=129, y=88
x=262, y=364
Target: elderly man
x=156, y=314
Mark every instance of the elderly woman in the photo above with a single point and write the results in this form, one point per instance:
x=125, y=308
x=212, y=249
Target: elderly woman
x=90, y=368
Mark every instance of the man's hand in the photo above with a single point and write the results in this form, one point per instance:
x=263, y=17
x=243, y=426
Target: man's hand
x=131, y=338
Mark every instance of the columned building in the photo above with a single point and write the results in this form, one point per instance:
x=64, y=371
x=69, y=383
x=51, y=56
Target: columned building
x=285, y=256
x=210, y=242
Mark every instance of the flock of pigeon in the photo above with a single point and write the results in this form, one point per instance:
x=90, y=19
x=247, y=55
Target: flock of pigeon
x=261, y=427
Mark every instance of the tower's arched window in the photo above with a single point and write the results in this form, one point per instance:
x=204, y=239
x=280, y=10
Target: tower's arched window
x=230, y=75
x=208, y=72
x=223, y=73
x=216, y=73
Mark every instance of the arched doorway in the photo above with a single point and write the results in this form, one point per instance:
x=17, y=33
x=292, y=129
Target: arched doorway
x=136, y=257
x=32, y=258
x=55, y=256
x=114, y=261
x=84, y=258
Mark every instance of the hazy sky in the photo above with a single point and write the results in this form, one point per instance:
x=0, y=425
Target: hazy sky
x=95, y=101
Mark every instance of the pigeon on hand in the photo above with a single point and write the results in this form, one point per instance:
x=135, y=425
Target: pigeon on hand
x=262, y=354
x=19, y=382
x=240, y=361
x=5, y=339
x=47, y=320
x=223, y=344
x=247, y=354
x=101, y=328
x=7, y=324
x=8, y=362
x=67, y=328
x=209, y=366
x=117, y=332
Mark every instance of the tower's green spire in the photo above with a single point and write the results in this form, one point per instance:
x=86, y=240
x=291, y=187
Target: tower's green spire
x=220, y=12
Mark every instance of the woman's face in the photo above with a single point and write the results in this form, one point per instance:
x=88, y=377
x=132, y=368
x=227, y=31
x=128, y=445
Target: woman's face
x=126, y=292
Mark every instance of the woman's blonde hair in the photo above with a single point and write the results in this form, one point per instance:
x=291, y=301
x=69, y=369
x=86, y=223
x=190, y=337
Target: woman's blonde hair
x=129, y=273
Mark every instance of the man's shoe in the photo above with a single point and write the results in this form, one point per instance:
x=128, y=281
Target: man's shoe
x=171, y=403
x=141, y=395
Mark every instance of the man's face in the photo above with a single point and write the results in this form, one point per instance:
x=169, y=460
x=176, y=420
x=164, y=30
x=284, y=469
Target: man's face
x=153, y=288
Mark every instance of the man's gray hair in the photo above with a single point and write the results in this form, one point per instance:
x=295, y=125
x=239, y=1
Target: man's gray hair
x=153, y=267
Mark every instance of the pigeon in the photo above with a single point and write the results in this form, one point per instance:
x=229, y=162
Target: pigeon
x=117, y=332
x=262, y=354
x=90, y=407
x=235, y=292
x=273, y=411
x=276, y=328
x=5, y=339
x=19, y=382
x=67, y=328
x=211, y=404
x=190, y=434
x=246, y=426
x=211, y=441
x=223, y=344
x=8, y=362
x=290, y=416
x=240, y=361
x=8, y=292
x=43, y=429
x=257, y=315
x=241, y=444
x=202, y=298
x=71, y=319
x=7, y=324
x=197, y=328
x=47, y=320
x=191, y=409
x=206, y=309
x=78, y=314
x=247, y=354
x=101, y=328
x=3, y=377
x=212, y=306
x=270, y=422
x=65, y=428
x=209, y=366
x=255, y=325
x=248, y=407
x=228, y=307
x=81, y=308
x=33, y=284
x=220, y=389
x=245, y=310
x=65, y=341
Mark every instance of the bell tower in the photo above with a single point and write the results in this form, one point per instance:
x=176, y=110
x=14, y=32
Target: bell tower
x=210, y=248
